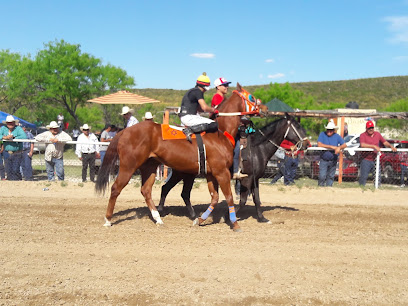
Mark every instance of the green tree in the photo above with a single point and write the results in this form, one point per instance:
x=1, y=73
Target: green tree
x=67, y=77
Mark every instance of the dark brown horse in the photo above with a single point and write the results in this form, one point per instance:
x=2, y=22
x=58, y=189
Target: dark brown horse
x=142, y=147
x=261, y=146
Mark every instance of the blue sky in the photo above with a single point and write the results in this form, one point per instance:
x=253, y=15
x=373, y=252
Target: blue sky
x=168, y=44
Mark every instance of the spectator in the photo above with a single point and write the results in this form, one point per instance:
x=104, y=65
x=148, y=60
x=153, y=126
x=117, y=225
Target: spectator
x=371, y=139
x=291, y=162
x=280, y=155
x=328, y=158
x=148, y=116
x=87, y=150
x=2, y=170
x=28, y=150
x=75, y=133
x=127, y=114
x=404, y=167
x=12, y=153
x=54, y=151
x=107, y=135
x=60, y=120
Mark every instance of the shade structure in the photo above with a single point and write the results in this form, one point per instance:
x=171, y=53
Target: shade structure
x=123, y=97
x=3, y=116
x=276, y=105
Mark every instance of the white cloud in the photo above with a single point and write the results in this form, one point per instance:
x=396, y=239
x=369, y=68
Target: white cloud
x=203, y=55
x=398, y=26
x=269, y=60
x=275, y=76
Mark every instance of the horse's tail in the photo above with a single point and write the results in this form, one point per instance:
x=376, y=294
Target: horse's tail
x=108, y=166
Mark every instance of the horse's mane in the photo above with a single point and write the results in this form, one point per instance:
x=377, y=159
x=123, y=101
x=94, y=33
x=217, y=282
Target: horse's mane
x=257, y=138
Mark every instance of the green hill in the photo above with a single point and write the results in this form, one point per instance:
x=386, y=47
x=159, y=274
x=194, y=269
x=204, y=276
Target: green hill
x=368, y=93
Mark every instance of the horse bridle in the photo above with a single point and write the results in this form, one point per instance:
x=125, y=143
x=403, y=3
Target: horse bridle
x=290, y=125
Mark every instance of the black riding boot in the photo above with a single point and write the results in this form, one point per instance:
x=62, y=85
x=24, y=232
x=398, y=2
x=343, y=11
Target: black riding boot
x=188, y=132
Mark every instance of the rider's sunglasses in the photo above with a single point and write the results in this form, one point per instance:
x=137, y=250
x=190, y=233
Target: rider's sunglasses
x=225, y=85
x=330, y=130
x=85, y=129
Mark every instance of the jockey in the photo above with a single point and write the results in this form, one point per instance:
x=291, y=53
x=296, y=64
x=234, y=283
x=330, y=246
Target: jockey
x=192, y=103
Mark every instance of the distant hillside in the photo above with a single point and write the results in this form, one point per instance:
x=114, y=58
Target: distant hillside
x=368, y=93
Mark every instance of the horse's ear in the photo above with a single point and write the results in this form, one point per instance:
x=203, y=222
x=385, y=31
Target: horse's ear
x=239, y=88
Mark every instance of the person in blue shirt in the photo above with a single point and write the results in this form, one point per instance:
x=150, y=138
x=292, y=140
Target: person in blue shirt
x=13, y=151
x=334, y=143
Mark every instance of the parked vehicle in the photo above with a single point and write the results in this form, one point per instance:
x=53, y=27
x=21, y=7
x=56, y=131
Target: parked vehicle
x=390, y=162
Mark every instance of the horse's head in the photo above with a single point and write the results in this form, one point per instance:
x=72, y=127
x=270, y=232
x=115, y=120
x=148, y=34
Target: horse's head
x=295, y=133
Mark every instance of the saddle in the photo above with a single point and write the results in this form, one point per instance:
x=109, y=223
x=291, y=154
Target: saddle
x=171, y=132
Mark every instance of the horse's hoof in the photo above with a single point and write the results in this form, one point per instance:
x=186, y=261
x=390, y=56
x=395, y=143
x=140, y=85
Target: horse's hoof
x=264, y=220
x=196, y=222
x=158, y=224
x=236, y=228
x=107, y=223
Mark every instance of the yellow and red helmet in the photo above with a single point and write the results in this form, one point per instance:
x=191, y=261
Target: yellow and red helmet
x=204, y=81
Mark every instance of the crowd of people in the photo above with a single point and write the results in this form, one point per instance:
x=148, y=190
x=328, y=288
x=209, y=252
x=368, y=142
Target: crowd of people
x=15, y=157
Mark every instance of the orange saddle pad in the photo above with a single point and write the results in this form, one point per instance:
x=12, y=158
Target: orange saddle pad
x=169, y=133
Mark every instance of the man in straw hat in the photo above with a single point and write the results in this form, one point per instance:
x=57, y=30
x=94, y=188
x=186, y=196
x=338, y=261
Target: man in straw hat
x=334, y=143
x=87, y=151
x=54, y=151
x=371, y=139
x=127, y=114
x=148, y=116
x=193, y=102
x=12, y=150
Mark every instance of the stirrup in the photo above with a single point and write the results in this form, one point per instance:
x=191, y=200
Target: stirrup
x=188, y=134
x=239, y=175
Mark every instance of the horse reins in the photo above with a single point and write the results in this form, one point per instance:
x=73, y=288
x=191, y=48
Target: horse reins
x=290, y=124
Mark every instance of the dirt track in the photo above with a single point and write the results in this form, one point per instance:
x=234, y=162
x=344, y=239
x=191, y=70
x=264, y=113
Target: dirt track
x=324, y=246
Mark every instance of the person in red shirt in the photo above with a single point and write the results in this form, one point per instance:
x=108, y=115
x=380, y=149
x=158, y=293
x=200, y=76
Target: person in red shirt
x=221, y=86
x=291, y=162
x=371, y=139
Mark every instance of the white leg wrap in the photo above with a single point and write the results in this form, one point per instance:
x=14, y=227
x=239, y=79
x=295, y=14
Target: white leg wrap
x=156, y=216
x=107, y=222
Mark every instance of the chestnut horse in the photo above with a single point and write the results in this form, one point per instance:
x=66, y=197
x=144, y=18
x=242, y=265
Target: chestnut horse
x=141, y=147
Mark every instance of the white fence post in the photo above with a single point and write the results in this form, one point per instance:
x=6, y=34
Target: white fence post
x=377, y=170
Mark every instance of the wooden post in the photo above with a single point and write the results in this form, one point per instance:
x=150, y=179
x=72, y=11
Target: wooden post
x=341, y=153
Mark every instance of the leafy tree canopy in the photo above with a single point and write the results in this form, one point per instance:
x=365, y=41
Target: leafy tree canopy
x=60, y=76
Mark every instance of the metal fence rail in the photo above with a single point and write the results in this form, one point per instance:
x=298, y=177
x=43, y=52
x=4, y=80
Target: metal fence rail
x=389, y=168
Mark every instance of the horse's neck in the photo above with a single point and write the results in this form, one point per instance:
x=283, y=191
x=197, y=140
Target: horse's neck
x=271, y=141
x=230, y=124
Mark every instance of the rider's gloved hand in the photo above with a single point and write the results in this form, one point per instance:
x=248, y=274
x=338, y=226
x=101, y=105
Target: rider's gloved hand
x=216, y=112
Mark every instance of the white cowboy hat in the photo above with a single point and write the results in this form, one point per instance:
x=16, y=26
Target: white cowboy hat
x=52, y=125
x=10, y=118
x=126, y=110
x=85, y=127
x=331, y=125
x=148, y=115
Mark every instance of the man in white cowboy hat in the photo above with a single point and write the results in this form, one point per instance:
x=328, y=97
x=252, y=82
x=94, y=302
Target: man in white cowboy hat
x=334, y=143
x=127, y=114
x=148, y=116
x=87, y=151
x=12, y=150
x=54, y=151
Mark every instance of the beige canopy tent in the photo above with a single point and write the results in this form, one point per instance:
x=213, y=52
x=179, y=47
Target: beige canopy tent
x=123, y=97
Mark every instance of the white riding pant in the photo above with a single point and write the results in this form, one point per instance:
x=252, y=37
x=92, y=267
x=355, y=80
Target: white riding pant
x=191, y=120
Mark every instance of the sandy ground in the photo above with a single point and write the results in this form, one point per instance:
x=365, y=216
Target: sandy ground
x=324, y=246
